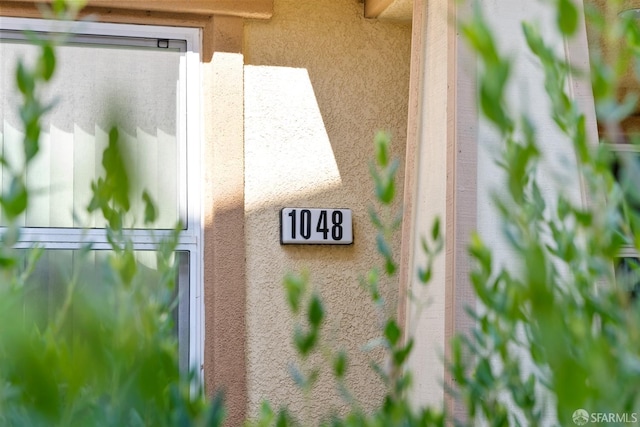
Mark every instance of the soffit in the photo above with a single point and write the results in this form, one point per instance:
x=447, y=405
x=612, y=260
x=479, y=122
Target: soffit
x=396, y=10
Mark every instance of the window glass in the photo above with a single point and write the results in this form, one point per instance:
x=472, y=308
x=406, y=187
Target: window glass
x=48, y=285
x=142, y=80
x=628, y=276
x=95, y=87
x=625, y=167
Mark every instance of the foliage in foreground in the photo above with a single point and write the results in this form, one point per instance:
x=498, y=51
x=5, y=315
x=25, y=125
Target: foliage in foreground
x=88, y=341
x=558, y=331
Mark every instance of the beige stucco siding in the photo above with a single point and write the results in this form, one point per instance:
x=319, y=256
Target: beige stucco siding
x=319, y=81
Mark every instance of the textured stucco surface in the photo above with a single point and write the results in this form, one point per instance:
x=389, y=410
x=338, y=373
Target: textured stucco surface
x=223, y=217
x=319, y=81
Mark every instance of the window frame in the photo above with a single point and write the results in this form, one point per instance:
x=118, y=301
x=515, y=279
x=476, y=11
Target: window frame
x=189, y=137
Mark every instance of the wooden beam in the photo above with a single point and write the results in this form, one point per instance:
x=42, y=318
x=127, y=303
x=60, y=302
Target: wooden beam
x=255, y=9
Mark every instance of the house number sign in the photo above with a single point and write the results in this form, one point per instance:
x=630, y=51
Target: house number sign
x=312, y=226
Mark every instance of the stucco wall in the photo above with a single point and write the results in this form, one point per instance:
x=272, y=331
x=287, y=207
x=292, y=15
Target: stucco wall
x=319, y=81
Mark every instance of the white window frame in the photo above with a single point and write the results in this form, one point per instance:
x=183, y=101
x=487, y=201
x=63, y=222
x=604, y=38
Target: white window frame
x=190, y=146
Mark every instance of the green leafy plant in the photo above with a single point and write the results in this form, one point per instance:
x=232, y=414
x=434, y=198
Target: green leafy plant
x=558, y=330
x=103, y=351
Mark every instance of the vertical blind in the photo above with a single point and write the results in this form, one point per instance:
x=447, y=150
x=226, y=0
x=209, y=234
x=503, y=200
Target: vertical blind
x=97, y=87
x=136, y=85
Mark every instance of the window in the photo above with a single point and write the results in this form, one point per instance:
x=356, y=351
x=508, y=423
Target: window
x=146, y=80
x=625, y=169
x=620, y=134
x=627, y=273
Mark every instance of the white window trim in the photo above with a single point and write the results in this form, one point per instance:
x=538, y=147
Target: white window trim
x=190, y=131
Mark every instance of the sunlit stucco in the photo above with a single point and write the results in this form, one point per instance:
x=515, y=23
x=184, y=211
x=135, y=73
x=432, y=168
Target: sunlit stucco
x=320, y=80
x=286, y=142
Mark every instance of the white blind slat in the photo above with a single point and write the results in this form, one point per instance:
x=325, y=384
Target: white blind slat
x=14, y=155
x=38, y=173
x=84, y=158
x=147, y=170
x=101, y=142
x=168, y=180
x=61, y=180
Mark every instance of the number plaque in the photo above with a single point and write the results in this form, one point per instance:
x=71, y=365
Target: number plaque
x=313, y=226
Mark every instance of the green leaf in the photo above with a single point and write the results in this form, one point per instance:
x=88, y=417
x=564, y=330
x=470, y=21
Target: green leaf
x=32, y=138
x=371, y=283
x=117, y=179
x=284, y=419
x=390, y=266
x=150, y=211
x=538, y=199
x=124, y=263
x=424, y=274
x=385, y=191
x=392, y=332
x=483, y=374
x=316, y=311
x=14, y=201
x=8, y=259
x=47, y=62
x=385, y=182
x=385, y=251
x=400, y=355
x=25, y=81
x=567, y=17
x=435, y=229
x=295, y=287
x=340, y=364
x=59, y=6
x=580, y=140
x=375, y=218
x=382, y=148
x=458, y=366
x=266, y=414
x=480, y=37
x=480, y=252
x=305, y=343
